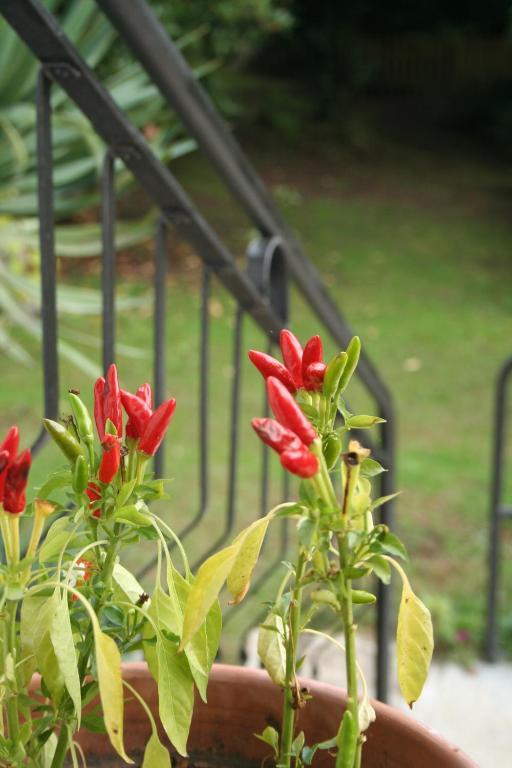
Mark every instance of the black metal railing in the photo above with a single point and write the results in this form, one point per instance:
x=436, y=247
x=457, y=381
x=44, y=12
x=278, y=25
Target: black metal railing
x=261, y=293
x=499, y=509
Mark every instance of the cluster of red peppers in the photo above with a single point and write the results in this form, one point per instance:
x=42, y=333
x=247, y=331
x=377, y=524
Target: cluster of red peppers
x=14, y=469
x=145, y=430
x=290, y=434
x=303, y=368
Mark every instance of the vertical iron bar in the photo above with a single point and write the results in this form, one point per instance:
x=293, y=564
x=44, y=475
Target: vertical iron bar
x=159, y=327
x=500, y=410
x=108, y=213
x=235, y=412
x=204, y=379
x=265, y=453
x=384, y=593
x=47, y=246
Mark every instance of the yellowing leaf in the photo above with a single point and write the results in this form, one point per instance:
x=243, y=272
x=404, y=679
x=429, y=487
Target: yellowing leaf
x=155, y=754
x=202, y=649
x=209, y=581
x=175, y=693
x=61, y=636
x=108, y=665
x=414, y=644
x=36, y=620
x=249, y=545
x=271, y=648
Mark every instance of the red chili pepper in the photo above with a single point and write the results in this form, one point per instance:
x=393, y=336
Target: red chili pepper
x=10, y=447
x=156, y=428
x=272, y=433
x=145, y=393
x=269, y=366
x=107, y=402
x=111, y=459
x=16, y=483
x=300, y=461
x=313, y=353
x=139, y=413
x=99, y=388
x=291, y=351
x=295, y=456
x=93, y=491
x=314, y=376
x=288, y=412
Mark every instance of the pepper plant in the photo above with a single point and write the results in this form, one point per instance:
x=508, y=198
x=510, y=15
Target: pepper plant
x=70, y=609
x=338, y=545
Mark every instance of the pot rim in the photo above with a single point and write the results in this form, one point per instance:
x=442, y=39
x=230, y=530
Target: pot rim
x=387, y=716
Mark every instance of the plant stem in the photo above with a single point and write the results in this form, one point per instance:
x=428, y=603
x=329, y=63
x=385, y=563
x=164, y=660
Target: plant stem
x=10, y=644
x=290, y=695
x=62, y=747
x=349, y=629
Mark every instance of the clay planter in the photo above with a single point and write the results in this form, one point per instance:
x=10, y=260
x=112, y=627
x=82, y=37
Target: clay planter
x=243, y=701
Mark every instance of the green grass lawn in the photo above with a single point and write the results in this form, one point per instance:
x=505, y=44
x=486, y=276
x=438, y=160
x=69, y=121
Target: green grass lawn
x=415, y=247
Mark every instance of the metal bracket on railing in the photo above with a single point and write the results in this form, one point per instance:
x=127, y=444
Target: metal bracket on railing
x=267, y=269
x=499, y=510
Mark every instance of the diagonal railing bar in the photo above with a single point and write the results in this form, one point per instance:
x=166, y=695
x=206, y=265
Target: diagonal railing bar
x=36, y=26
x=171, y=74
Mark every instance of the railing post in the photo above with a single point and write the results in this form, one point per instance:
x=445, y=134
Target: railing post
x=47, y=248
x=159, y=326
x=497, y=512
x=108, y=280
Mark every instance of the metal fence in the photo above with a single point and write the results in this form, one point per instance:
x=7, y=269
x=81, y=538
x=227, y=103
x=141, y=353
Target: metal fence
x=261, y=292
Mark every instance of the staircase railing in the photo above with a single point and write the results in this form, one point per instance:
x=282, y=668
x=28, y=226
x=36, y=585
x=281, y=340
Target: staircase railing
x=275, y=258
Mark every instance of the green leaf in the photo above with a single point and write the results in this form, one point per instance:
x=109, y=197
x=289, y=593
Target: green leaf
x=271, y=649
x=36, y=620
x=202, y=649
x=371, y=468
x=383, y=500
x=393, y=545
x=175, y=693
x=364, y=422
x=155, y=754
x=61, y=636
x=60, y=479
x=271, y=737
x=414, y=644
x=126, y=582
x=132, y=516
x=249, y=547
x=125, y=493
x=56, y=538
x=108, y=667
x=381, y=568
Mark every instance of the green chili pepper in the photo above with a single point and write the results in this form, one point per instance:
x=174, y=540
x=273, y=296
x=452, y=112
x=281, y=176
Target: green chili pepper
x=82, y=418
x=80, y=475
x=331, y=447
x=362, y=598
x=69, y=446
x=353, y=352
x=333, y=374
x=347, y=742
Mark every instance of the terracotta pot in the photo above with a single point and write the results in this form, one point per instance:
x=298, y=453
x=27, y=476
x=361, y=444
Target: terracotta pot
x=243, y=701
